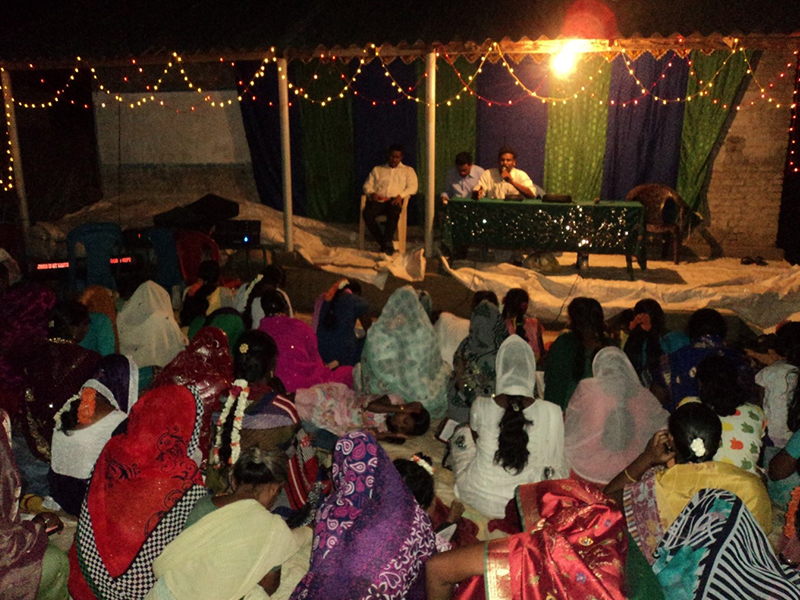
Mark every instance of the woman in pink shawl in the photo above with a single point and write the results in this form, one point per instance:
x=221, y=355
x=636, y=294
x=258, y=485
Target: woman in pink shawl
x=609, y=419
x=299, y=363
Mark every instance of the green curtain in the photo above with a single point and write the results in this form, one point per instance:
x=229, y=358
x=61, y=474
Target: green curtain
x=703, y=120
x=455, y=124
x=331, y=190
x=576, y=131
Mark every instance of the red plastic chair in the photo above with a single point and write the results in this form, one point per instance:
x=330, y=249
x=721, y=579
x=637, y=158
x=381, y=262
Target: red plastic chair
x=193, y=248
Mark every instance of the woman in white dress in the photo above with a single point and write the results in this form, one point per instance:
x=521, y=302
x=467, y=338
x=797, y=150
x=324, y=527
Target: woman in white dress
x=512, y=439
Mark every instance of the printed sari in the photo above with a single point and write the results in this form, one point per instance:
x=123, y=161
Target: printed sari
x=573, y=546
x=715, y=550
x=143, y=488
x=371, y=539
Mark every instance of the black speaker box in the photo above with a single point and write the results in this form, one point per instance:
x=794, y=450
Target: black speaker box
x=235, y=234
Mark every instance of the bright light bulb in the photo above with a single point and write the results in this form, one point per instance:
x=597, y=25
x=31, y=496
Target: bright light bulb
x=564, y=62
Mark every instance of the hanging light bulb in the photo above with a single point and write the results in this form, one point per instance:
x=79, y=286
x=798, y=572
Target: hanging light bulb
x=564, y=61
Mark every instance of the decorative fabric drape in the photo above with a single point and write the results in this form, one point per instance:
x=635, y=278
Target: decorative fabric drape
x=644, y=135
x=790, y=198
x=455, y=124
x=706, y=116
x=331, y=188
x=522, y=125
x=576, y=132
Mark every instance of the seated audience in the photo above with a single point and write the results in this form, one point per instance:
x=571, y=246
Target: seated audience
x=778, y=383
x=743, y=423
x=515, y=309
x=271, y=278
x=148, y=332
x=102, y=335
x=232, y=547
x=512, y=438
x=572, y=546
x=655, y=497
x=649, y=340
x=255, y=415
x=85, y=423
x=299, y=363
x=676, y=380
x=371, y=537
x=401, y=355
x=570, y=356
x=610, y=419
x=474, y=361
x=335, y=408
x=227, y=320
x=206, y=295
x=451, y=330
x=143, y=488
x=31, y=568
x=342, y=308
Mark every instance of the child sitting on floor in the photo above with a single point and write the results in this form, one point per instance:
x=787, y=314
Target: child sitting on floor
x=335, y=408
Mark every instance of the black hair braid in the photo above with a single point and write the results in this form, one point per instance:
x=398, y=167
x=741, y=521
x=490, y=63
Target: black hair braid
x=512, y=444
x=69, y=419
x=417, y=479
x=255, y=293
x=225, y=440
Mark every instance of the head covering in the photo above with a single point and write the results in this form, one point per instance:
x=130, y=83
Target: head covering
x=22, y=543
x=610, y=418
x=143, y=487
x=224, y=555
x=371, y=538
x=474, y=361
x=516, y=368
x=117, y=378
x=148, y=331
x=207, y=366
x=401, y=355
x=715, y=550
x=24, y=317
x=99, y=299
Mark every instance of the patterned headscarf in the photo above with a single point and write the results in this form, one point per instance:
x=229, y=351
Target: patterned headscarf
x=372, y=538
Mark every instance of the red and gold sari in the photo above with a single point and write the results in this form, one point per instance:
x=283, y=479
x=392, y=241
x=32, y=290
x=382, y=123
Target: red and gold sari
x=573, y=547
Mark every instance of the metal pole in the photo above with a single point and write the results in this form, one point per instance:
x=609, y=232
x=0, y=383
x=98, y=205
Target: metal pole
x=430, y=140
x=286, y=151
x=16, y=157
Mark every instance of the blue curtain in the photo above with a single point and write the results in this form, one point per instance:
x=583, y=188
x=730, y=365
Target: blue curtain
x=522, y=125
x=644, y=140
x=262, y=127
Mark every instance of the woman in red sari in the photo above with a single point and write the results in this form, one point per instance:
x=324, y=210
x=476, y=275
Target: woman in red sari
x=143, y=487
x=573, y=545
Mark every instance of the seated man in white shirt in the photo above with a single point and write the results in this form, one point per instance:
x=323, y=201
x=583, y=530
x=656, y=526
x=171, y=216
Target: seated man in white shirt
x=462, y=178
x=506, y=180
x=386, y=188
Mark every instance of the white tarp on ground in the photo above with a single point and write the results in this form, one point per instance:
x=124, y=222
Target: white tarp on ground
x=762, y=296
x=332, y=248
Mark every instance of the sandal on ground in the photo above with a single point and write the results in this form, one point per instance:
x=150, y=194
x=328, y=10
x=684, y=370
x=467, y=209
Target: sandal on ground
x=748, y=260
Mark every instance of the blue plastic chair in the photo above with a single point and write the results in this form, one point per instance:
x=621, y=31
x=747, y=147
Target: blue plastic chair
x=100, y=240
x=168, y=266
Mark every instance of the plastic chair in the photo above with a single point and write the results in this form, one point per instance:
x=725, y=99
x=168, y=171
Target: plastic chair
x=193, y=248
x=101, y=241
x=402, y=225
x=665, y=212
x=168, y=266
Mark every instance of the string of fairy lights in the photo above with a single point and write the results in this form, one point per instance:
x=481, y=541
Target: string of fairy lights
x=349, y=69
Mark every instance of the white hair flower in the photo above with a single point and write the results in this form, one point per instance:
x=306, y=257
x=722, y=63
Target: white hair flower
x=698, y=447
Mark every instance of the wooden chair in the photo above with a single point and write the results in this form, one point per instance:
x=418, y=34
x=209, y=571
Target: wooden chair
x=665, y=212
x=402, y=225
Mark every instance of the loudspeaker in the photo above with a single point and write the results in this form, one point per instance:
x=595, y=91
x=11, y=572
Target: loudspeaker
x=235, y=234
x=203, y=214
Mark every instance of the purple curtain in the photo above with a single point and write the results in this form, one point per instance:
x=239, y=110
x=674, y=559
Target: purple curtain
x=522, y=125
x=644, y=140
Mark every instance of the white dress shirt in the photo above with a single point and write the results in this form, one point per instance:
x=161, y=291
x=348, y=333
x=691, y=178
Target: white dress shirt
x=494, y=186
x=387, y=182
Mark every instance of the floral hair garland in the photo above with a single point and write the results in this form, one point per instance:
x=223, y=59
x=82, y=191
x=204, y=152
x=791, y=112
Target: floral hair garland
x=698, y=447
x=236, y=401
x=88, y=403
x=423, y=463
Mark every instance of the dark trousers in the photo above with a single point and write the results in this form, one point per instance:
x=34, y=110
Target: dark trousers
x=373, y=210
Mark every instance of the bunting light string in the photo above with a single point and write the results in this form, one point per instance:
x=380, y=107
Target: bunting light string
x=468, y=84
x=793, y=165
x=7, y=174
x=348, y=85
x=764, y=90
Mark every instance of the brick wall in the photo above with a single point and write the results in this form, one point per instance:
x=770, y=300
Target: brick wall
x=744, y=193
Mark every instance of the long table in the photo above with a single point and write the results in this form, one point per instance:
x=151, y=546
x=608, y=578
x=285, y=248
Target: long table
x=606, y=227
